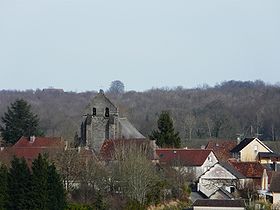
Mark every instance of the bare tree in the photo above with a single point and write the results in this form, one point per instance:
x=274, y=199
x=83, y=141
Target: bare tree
x=190, y=122
x=94, y=180
x=249, y=192
x=70, y=164
x=134, y=173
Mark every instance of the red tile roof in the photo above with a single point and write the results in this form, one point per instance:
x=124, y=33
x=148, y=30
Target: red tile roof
x=31, y=149
x=221, y=148
x=39, y=142
x=186, y=157
x=109, y=147
x=248, y=169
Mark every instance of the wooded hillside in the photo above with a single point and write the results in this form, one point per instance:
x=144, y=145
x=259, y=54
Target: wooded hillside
x=225, y=111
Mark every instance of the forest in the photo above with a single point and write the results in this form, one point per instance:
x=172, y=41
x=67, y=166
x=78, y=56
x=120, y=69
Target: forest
x=227, y=110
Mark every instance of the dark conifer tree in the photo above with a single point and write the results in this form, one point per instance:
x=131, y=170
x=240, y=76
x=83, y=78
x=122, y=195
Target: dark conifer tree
x=40, y=182
x=47, y=187
x=56, y=193
x=19, y=185
x=3, y=187
x=165, y=135
x=19, y=121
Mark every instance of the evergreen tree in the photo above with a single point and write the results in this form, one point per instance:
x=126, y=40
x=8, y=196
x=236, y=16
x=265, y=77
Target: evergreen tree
x=19, y=121
x=40, y=182
x=3, y=187
x=165, y=135
x=56, y=193
x=47, y=187
x=19, y=185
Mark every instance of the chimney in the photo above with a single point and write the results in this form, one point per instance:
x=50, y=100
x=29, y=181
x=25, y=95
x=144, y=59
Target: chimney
x=32, y=139
x=238, y=140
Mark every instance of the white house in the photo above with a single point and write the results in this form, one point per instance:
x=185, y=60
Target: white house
x=195, y=161
x=220, y=181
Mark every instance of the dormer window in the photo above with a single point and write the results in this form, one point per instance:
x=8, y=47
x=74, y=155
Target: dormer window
x=107, y=112
x=93, y=111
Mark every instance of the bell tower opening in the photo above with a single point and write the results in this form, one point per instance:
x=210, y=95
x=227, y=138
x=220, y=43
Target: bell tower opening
x=106, y=112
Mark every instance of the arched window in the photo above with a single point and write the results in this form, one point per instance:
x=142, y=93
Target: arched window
x=107, y=112
x=93, y=111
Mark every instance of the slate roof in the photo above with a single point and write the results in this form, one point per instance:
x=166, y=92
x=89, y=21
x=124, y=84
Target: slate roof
x=242, y=144
x=275, y=183
x=219, y=203
x=109, y=146
x=269, y=155
x=185, y=157
x=223, y=192
x=221, y=148
x=248, y=169
x=232, y=170
x=128, y=131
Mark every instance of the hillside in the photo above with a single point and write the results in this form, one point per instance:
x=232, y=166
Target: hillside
x=229, y=109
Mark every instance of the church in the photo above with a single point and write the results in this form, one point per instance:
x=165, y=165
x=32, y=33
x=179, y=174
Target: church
x=102, y=121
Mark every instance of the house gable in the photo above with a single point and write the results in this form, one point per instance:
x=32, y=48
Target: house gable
x=248, y=149
x=218, y=172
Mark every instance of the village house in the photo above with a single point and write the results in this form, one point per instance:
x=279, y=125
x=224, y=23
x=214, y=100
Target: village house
x=195, y=161
x=248, y=150
x=251, y=170
x=221, y=181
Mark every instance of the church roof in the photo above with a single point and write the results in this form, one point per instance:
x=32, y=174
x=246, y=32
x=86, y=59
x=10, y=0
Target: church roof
x=128, y=131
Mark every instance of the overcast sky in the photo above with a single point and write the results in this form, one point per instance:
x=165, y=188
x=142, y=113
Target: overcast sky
x=85, y=44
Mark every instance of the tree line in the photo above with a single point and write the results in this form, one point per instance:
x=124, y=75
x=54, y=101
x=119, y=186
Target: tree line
x=226, y=110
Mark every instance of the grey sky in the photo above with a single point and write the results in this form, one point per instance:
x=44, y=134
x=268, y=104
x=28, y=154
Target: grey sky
x=85, y=44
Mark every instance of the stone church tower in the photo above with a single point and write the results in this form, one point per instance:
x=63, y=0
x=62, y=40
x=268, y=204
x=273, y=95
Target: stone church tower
x=102, y=121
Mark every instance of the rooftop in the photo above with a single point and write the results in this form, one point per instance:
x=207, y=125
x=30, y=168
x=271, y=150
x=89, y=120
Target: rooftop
x=186, y=157
x=221, y=148
x=219, y=203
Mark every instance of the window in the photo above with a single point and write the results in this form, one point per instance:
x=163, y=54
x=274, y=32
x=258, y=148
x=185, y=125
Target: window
x=256, y=148
x=93, y=111
x=107, y=112
x=209, y=159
